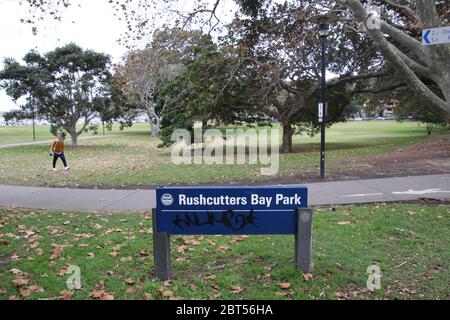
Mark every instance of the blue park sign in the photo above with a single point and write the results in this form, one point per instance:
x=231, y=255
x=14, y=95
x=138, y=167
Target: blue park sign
x=229, y=210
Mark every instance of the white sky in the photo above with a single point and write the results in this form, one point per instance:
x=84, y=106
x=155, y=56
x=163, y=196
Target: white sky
x=95, y=28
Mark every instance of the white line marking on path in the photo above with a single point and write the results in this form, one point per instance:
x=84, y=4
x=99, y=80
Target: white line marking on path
x=362, y=195
x=411, y=191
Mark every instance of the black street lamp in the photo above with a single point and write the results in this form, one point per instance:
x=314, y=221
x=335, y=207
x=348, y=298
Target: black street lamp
x=323, y=21
x=323, y=32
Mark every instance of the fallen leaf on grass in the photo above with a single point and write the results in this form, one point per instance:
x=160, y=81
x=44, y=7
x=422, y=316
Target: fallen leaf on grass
x=2, y=290
x=211, y=277
x=285, y=285
x=90, y=255
x=101, y=295
x=62, y=272
x=52, y=229
x=17, y=272
x=428, y=276
x=167, y=283
x=343, y=222
x=56, y=252
x=148, y=296
x=307, y=276
x=182, y=249
x=223, y=249
x=100, y=285
x=192, y=287
x=34, y=244
x=114, y=254
x=339, y=295
x=130, y=281
x=4, y=242
x=264, y=276
x=134, y=289
x=65, y=295
x=36, y=289
x=143, y=253
x=236, y=239
x=25, y=292
x=167, y=293
x=236, y=289
x=19, y=282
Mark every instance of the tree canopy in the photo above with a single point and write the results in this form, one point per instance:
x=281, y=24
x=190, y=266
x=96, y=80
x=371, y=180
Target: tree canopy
x=64, y=86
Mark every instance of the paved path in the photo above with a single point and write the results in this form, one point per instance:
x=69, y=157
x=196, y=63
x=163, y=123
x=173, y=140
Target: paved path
x=22, y=144
x=339, y=192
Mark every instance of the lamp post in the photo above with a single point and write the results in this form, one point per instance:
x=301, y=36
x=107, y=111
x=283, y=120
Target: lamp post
x=323, y=31
x=323, y=21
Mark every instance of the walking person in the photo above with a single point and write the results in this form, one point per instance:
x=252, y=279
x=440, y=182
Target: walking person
x=57, y=151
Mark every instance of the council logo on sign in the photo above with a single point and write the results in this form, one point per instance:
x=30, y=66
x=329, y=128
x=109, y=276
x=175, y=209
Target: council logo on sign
x=166, y=199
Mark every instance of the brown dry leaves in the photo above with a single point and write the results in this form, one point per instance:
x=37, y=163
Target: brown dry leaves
x=101, y=295
x=236, y=289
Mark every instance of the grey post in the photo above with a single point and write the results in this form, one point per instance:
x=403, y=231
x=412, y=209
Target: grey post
x=303, y=239
x=161, y=251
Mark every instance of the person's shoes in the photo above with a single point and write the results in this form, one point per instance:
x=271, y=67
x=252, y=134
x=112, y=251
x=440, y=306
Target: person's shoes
x=54, y=169
x=66, y=168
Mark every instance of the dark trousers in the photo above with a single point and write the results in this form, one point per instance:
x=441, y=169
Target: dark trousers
x=60, y=155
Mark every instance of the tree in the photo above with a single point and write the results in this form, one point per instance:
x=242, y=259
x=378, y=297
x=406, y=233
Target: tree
x=281, y=50
x=65, y=86
x=209, y=90
x=398, y=38
x=145, y=71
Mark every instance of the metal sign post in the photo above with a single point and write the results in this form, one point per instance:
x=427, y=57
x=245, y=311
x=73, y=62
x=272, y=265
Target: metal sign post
x=231, y=211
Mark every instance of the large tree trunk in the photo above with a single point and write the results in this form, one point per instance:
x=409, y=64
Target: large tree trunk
x=154, y=122
x=154, y=127
x=72, y=130
x=288, y=131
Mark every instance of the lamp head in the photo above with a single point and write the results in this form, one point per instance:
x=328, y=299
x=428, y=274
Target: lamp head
x=323, y=29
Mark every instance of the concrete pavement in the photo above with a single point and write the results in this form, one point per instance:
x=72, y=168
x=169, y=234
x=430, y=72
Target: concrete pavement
x=323, y=193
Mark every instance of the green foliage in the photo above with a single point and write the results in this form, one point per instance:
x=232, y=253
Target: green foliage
x=207, y=91
x=56, y=130
x=62, y=86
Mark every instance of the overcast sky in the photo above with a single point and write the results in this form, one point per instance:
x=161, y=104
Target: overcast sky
x=95, y=28
x=91, y=25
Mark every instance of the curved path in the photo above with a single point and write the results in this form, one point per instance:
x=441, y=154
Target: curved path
x=323, y=193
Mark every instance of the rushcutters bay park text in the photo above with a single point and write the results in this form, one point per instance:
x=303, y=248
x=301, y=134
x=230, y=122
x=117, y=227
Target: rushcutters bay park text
x=236, y=146
x=253, y=199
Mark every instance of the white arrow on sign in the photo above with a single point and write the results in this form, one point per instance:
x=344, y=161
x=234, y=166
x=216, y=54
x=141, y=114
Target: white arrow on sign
x=411, y=191
x=436, y=36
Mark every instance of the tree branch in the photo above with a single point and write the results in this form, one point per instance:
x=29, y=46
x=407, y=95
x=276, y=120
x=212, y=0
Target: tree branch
x=379, y=90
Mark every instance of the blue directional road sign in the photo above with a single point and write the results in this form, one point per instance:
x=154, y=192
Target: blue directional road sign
x=436, y=36
x=229, y=210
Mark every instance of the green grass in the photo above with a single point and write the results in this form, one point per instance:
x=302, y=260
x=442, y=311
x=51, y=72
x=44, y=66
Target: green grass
x=409, y=242
x=131, y=157
x=23, y=134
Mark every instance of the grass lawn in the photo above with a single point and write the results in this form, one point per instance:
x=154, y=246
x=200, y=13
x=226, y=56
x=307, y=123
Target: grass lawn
x=409, y=242
x=131, y=158
x=20, y=134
